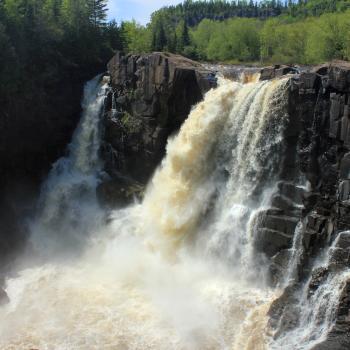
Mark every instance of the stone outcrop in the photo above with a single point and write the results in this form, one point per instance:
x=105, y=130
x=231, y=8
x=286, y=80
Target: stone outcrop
x=318, y=153
x=152, y=96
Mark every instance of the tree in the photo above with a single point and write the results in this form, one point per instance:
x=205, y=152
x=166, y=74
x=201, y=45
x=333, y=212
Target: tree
x=159, y=39
x=98, y=12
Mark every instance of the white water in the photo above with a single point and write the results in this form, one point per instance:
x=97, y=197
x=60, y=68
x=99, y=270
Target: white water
x=177, y=271
x=317, y=310
x=68, y=209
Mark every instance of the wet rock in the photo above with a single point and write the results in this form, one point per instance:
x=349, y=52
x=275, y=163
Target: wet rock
x=344, y=190
x=283, y=313
x=344, y=171
x=291, y=191
x=318, y=276
x=274, y=232
x=119, y=192
x=308, y=83
x=276, y=71
x=286, y=204
x=339, y=75
x=339, y=255
x=282, y=223
x=339, y=336
x=154, y=94
x=278, y=266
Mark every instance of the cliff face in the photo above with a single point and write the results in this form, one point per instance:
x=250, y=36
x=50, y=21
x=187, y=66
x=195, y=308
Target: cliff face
x=310, y=208
x=318, y=157
x=153, y=95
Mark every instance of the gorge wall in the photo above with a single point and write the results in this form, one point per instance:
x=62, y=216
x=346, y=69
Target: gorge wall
x=153, y=95
x=308, y=215
x=310, y=207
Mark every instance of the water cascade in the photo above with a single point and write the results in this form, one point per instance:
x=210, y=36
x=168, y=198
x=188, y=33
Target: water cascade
x=315, y=308
x=177, y=271
x=68, y=209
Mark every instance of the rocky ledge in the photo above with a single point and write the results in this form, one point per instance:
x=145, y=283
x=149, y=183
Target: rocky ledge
x=314, y=192
x=152, y=96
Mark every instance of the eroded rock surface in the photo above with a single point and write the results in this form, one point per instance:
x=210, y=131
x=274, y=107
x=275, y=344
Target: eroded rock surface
x=319, y=102
x=152, y=96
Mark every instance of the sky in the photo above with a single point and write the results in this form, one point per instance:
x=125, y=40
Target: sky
x=140, y=10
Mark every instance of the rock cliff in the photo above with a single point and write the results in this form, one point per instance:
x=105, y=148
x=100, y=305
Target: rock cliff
x=310, y=208
x=152, y=96
x=314, y=192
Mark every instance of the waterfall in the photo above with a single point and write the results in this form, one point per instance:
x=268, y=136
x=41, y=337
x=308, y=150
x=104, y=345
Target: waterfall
x=68, y=208
x=316, y=309
x=177, y=271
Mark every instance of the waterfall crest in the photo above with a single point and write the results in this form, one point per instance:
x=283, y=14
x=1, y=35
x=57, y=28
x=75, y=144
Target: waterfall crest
x=200, y=207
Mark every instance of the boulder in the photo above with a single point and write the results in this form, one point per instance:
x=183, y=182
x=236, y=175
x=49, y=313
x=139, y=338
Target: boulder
x=276, y=71
x=339, y=75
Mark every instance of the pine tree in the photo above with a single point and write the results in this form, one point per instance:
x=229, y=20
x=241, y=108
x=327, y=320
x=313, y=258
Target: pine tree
x=159, y=39
x=185, y=36
x=98, y=12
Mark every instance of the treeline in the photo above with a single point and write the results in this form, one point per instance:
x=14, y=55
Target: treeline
x=307, y=8
x=193, y=12
x=276, y=40
x=294, y=32
x=43, y=40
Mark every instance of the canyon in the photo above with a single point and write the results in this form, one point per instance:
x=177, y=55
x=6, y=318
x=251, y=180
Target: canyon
x=257, y=179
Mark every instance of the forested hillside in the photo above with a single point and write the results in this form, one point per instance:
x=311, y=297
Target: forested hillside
x=42, y=42
x=307, y=31
x=42, y=39
x=48, y=50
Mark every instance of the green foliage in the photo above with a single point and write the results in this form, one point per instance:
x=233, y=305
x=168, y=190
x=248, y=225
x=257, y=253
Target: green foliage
x=159, y=38
x=43, y=41
x=305, y=32
x=137, y=39
x=310, y=40
x=193, y=12
x=234, y=39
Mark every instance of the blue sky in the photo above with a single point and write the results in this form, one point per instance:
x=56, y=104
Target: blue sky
x=140, y=10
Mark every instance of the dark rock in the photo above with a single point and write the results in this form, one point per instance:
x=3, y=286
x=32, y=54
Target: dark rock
x=339, y=255
x=282, y=223
x=119, y=192
x=283, y=313
x=292, y=192
x=308, y=83
x=321, y=69
x=318, y=276
x=344, y=190
x=154, y=94
x=276, y=71
x=267, y=73
x=339, y=75
x=275, y=232
x=278, y=266
x=339, y=336
x=344, y=171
